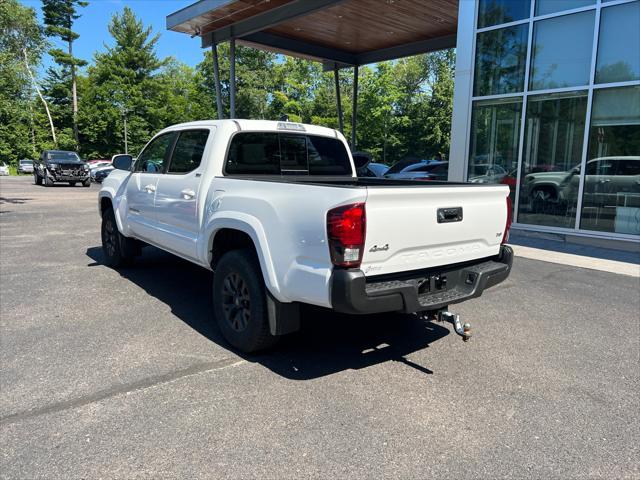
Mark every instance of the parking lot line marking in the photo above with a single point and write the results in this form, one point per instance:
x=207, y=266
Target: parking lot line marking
x=120, y=389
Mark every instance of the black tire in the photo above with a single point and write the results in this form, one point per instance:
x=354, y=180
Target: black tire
x=73, y=184
x=47, y=181
x=86, y=183
x=117, y=249
x=239, y=302
x=37, y=179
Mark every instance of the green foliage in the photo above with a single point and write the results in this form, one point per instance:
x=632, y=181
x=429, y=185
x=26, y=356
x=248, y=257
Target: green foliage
x=59, y=16
x=20, y=36
x=404, y=107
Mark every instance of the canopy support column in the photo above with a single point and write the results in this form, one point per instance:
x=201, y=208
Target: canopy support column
x=216, y=79
x=336, y=76
x=354, y=112
x=232, y=75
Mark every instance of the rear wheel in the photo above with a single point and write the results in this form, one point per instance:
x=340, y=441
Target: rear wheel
x=239, y=302
x=118, y=250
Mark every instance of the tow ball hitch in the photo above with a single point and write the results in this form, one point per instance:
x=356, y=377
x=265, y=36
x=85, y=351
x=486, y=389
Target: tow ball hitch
x=454, y=319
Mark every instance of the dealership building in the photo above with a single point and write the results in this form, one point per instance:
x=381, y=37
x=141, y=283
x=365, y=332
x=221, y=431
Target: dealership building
x=546, y=100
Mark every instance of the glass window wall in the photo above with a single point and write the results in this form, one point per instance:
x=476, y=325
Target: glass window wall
x=611, y=198
x=550, y=179
x=494, y=12
x=554, y=73
x=495, y=131
x=619, y=44
x=544, y=7
x=500, y=60
x=562, y=49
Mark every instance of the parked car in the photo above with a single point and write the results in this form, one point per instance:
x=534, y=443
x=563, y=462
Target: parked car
x=99, y=174
x=25, y=166
x=276, y=211
x=377, y=169
x=486, y=173
x=369, y=168
x=606, y=177
x=98, y=164
x=4, y=169
x=407, y=163
x=61, y=166
x=430, y=170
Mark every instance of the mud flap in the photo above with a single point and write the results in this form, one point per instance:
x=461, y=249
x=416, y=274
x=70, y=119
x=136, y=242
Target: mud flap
x=283, y=317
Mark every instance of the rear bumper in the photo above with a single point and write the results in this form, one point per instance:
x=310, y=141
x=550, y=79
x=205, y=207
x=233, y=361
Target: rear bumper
x=411, y=292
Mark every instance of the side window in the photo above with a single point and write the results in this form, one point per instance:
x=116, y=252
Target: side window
x=187, y=154
x=253, y=153
x=629, y=167
x=151, y=160
x=294, y=154
x=328, y=156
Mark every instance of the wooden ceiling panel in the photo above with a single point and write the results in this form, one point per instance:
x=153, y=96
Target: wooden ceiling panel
x=227, y=14
x=358, y=26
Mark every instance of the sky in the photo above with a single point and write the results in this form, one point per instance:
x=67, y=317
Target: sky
x=92, y=27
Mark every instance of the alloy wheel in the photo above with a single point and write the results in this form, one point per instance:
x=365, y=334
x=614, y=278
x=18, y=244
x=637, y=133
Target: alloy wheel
x=236, y=302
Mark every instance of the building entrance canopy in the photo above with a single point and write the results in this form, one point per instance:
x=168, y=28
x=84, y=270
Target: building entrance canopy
x=338, y=33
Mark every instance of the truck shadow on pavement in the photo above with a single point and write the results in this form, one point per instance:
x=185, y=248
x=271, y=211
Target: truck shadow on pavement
x=328, y=342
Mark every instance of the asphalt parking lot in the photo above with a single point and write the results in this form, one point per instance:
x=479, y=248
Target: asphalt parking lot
x=108, y=374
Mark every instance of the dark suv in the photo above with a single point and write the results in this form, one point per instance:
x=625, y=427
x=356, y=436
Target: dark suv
x=60, y=166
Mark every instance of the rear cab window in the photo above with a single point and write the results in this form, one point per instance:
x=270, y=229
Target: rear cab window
x=270, y=153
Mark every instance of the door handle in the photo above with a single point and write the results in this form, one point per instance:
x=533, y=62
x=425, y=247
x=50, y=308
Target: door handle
x=188, y=194
x=149, y=188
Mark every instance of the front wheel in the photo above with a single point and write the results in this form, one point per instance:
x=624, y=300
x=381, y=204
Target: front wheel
x=118, y=250
x=73, y=184
x=47, y=181
x=86, y=183
x=37, y=179
x=239, y=302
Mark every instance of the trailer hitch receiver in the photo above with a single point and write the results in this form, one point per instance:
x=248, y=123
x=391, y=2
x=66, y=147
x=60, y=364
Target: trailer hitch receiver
x=454, y=319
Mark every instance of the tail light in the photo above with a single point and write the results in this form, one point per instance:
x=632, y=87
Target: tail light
x=505, y=237
x=346, y=228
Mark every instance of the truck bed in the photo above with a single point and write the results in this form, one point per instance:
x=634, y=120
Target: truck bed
x=335, y=181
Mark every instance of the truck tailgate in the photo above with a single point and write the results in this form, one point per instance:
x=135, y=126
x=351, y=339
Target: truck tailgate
x=404, y=231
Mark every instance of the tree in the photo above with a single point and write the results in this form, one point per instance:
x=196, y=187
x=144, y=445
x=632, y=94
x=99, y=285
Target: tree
x=21, y=45
x=59, y=16
x=124, y=82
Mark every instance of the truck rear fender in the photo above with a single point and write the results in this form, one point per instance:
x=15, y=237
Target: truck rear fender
x=252, y=227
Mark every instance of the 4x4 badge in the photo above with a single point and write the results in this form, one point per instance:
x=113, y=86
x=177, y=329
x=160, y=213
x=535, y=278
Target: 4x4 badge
x=376, y=248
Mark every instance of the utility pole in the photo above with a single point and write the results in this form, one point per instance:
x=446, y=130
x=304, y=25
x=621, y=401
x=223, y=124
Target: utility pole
x=126, y=135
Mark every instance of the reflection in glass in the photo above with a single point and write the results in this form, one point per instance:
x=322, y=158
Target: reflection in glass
x=611, y=199
x=550, y=178
x=562, y=51
x=495, y=131
x=500, y=61
x=494, y=12
x=619, y=44
x=543, y=7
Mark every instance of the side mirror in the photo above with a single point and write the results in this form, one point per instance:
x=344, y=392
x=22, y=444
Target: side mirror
x=361, y=159
x=122, y=162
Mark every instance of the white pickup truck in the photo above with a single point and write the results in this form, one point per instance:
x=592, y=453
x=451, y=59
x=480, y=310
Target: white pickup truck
x=276, y=211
